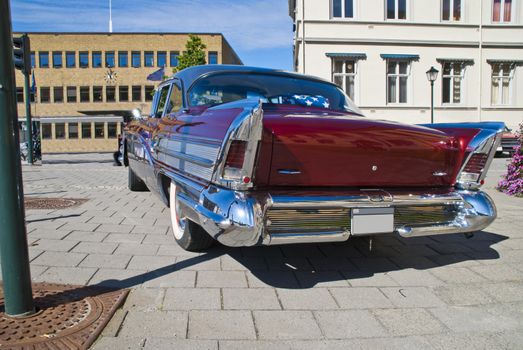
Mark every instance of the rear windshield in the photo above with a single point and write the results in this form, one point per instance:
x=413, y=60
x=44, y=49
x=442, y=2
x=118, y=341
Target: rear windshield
x=228, y=87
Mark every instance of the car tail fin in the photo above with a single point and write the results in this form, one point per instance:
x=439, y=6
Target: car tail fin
x=479, y=151
x=235, y=166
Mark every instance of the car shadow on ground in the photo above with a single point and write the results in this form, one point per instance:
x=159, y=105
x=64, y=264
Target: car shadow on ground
x=307, y=265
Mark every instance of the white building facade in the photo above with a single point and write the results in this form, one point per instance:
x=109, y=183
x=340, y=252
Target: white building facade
x=378, y=51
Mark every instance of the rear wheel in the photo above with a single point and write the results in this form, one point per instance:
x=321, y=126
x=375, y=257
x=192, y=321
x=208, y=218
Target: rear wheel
x=134, y=182
x=189, y=235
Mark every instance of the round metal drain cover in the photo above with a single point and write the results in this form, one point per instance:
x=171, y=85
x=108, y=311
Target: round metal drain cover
x=69, y=318
x=52, y=203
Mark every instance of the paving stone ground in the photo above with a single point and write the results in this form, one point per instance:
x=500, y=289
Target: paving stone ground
x=439, y=292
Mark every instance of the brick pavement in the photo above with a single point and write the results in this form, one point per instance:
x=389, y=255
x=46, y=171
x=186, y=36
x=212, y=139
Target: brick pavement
x=440, y=292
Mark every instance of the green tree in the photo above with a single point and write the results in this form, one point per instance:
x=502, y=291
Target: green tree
x=194, y=54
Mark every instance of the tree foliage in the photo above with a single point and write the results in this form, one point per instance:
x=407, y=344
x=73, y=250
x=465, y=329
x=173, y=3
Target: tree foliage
x=512, y=183
x=194, y=54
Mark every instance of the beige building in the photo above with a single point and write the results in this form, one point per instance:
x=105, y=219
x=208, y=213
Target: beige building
x=379, y=52
x=87, y=82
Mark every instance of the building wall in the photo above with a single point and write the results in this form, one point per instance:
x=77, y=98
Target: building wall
x=97, y=76
x=423, y=33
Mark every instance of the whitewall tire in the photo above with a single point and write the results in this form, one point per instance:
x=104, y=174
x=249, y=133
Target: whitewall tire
x=189, y=235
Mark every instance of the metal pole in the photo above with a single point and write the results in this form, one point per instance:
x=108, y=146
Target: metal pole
x=432, y=102
x=28, y=121
x=18, y=295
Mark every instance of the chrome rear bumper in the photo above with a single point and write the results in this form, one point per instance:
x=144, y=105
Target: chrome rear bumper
x=237, y=218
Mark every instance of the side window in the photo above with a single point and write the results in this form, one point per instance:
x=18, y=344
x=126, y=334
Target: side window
x=160, y=100
x=175, y=100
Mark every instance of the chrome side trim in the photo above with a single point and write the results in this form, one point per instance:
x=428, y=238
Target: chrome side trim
x=195, y=158
x=184, y=156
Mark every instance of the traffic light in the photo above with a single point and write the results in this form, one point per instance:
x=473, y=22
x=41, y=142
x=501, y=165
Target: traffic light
x=22, y=54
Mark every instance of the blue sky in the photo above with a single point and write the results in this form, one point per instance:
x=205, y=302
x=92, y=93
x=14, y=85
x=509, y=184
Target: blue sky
x=259, y=30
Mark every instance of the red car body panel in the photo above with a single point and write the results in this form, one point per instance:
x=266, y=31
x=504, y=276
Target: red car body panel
x=335, y=149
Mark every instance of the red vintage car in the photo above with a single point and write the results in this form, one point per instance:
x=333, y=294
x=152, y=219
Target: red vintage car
x=250, y=156
x=509, y=142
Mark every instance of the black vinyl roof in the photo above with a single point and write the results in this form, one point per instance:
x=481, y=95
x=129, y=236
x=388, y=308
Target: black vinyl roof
x=191, y=74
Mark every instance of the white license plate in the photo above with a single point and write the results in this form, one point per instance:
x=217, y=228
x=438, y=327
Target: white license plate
x=372, y=220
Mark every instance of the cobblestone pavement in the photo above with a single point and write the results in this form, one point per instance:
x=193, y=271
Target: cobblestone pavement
x=440, y=292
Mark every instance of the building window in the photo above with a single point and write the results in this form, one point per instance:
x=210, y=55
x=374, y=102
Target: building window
x=451, y=10
x=86, y=130
x=110, y=94
x=452, y=77
x=97, y=59
x=19, y=95
x=396, y=9
x=109, y=59
x=84, y=94
x=58, y=94
x=123, y=93
x=70, y=59
x=149, y=92
x=173, y=58
x=502, y=79
x=59, y=131
x=99, y=130
x=397, y=81
x=111, y=130
x=84, y=59
x=45, y=95
x=161, y=58
x=137, y=93
x=72, y=128
x=136, y=59
x=47, y=132
x=123, y=59
x=57, y=59
x=97, y=94
x=213, y=57
x=44, y=59
x=33, y=59
x=148, y=58
x=342, y=8
x=344, y=75
x=71, y=94
x=502, y=11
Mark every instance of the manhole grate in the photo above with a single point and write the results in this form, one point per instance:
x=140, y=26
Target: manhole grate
x=70, y=317
x=52, y=203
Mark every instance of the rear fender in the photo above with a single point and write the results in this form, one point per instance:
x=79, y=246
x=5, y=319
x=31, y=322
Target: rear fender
x=479, y=142
x=247, y=127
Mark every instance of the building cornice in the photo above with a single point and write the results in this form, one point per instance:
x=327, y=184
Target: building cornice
x=403, y=42
x=411, y=23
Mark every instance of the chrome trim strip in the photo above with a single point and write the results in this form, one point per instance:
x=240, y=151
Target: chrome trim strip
x=184, y=156
x=289, y=171
x=205, y=141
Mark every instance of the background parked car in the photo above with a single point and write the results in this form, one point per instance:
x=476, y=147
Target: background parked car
x=509, y=141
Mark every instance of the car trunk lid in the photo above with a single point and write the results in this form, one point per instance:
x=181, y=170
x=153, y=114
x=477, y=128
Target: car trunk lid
x=315, y=148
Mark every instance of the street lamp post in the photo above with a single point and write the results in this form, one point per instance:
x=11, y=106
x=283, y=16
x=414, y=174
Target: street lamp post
x=432, y=75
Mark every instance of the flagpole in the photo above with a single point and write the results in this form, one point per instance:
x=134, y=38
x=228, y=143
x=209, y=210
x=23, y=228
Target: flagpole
x=110, y=16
